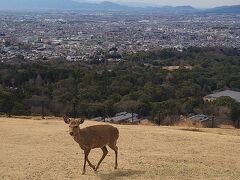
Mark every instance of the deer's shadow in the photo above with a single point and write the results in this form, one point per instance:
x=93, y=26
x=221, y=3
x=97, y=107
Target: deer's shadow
x=120, y=173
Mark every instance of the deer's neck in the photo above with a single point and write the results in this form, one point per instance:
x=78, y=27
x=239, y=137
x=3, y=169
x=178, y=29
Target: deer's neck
x=78, y=137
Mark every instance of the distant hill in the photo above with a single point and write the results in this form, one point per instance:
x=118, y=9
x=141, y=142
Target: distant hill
x=59, y=5
x=73, y=5
x=171, y=9
x=224, y=9
x=105, y=6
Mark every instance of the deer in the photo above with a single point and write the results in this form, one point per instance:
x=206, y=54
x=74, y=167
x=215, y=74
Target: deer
x=97, y=136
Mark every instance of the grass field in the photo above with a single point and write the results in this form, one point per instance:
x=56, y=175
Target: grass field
x=43, y=149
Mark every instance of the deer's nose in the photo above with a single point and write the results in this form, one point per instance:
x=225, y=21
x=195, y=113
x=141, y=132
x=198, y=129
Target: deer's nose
x=71, y=133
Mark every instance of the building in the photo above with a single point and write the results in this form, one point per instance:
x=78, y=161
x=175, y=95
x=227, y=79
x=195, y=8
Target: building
x=174, y=68
x=233, y=94
x=199, y=118
x=123, y=117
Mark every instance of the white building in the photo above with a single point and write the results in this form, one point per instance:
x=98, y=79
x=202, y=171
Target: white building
x=233, y=94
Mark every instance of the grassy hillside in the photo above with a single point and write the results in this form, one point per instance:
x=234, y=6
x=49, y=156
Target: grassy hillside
x=43, y=149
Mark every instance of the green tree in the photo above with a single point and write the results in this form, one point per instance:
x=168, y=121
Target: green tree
x=224, y=101
x=6, y=101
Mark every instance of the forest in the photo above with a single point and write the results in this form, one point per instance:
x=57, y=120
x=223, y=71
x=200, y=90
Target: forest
x=138, y=83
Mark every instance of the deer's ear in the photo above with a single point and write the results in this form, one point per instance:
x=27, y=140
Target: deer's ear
x=66, y=119
x=80, y=121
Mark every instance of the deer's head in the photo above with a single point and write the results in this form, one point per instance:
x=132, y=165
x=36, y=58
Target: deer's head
x=73, y=125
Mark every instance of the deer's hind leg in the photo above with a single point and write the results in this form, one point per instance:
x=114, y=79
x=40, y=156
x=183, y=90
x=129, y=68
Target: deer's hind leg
x=90, y=164
x=105, y=152
x=115, y=148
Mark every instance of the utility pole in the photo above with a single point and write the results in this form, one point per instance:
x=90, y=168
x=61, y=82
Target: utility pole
x=43, y=110
x=159, y=118
x=213, y=118
x=104, y=111
x=132, y=115
x=74, y=110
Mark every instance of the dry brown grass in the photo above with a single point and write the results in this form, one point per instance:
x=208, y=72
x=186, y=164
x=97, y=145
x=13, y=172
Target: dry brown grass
x=34, y=149
x=187, y=124
x=147, y=123
x=224, y=126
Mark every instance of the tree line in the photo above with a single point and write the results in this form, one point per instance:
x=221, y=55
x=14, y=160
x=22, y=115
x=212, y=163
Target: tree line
x=137, y=84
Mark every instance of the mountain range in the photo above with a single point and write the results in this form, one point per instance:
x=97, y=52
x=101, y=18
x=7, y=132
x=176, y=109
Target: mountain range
x=105, y=6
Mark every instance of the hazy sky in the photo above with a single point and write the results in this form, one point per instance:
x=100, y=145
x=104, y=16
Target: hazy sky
x=195, y=3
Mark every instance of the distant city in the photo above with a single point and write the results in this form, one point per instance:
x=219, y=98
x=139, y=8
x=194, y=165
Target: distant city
x=78, y=36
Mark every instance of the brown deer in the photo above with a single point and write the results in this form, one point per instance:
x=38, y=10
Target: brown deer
x=98, y=136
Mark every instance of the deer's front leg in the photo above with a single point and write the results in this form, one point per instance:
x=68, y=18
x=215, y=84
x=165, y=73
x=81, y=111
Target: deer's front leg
x=90, y=164
x=86, y=153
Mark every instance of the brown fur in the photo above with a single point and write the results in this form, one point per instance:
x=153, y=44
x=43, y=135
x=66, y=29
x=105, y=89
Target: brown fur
x=92, y=137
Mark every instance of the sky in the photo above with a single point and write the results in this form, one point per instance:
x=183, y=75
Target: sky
x=194, y=3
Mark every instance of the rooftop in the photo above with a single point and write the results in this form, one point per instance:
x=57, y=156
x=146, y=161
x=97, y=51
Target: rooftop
x=233, y=94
